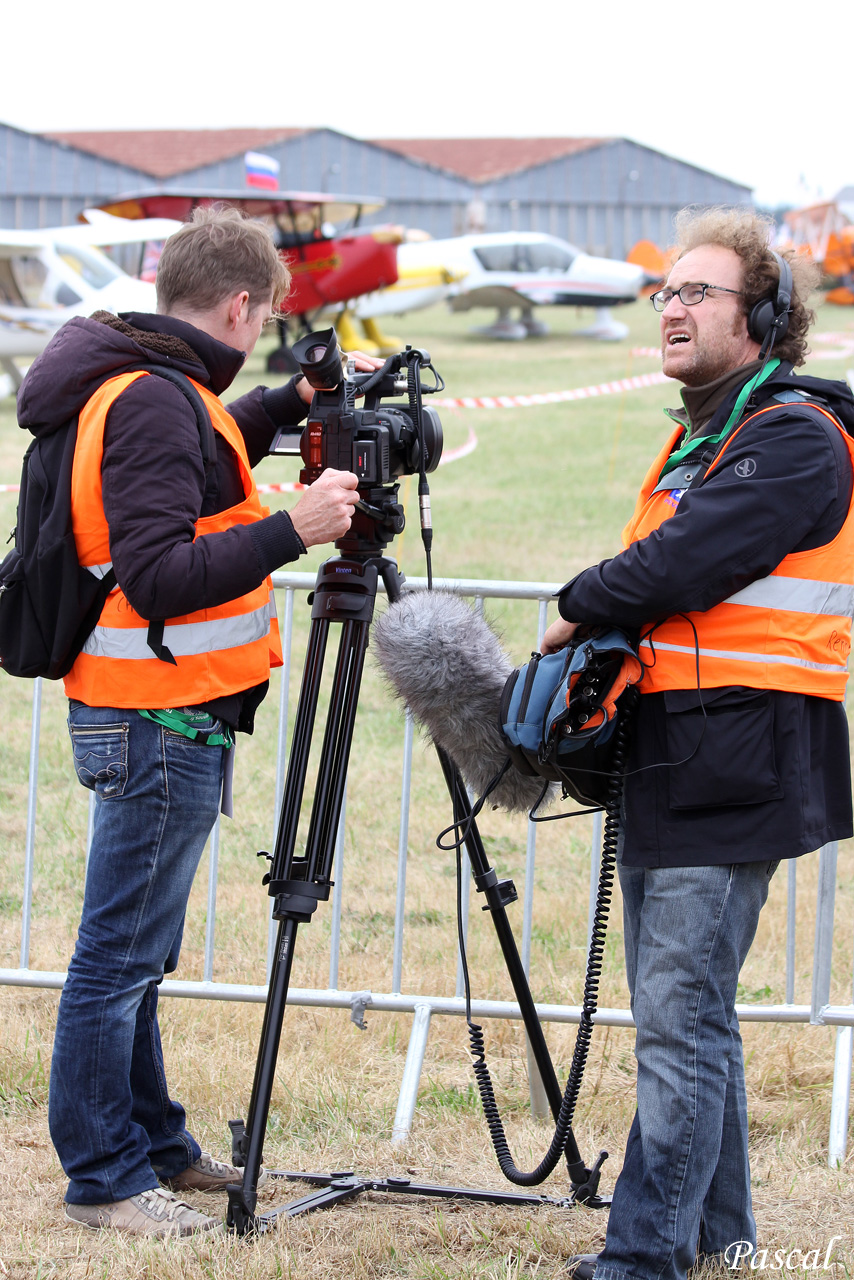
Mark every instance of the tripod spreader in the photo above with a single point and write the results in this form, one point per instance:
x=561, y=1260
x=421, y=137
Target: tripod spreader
x=295, y=899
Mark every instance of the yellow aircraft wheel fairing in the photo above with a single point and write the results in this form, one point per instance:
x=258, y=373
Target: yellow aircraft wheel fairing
x=349, y=339
x=386, y=344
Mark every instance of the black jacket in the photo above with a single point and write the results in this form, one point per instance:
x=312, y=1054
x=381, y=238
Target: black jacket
x=765, y=775
x=154, y=484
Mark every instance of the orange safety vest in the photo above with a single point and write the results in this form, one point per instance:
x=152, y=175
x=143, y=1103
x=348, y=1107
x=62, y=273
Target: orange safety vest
x=219, y=650
x=788, y=631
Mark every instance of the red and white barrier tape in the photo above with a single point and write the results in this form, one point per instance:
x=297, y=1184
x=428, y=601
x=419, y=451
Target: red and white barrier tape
x=498, y=402
x=554, y=397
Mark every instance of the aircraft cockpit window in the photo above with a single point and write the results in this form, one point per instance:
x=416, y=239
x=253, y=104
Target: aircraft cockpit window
x=299, y=222
x=9, y=291
x=66, y=296
x=550, y=257
x=95, y=267
x=503, y=257
x=27, y=276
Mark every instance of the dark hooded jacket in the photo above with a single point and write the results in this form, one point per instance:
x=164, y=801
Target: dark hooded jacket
x=154, y=483
x=731, y=775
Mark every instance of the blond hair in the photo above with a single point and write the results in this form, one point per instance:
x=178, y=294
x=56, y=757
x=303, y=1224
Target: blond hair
x=215, y=255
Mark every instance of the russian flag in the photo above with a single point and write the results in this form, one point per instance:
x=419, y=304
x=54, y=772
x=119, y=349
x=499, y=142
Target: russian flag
x=261, y=171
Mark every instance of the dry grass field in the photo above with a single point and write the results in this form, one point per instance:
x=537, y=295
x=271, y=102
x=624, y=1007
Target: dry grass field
x=545, y=493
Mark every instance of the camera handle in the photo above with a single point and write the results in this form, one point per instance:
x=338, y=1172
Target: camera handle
x=345, y=592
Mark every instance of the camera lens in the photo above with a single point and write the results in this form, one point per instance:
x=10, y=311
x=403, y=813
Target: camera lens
x=314, y=355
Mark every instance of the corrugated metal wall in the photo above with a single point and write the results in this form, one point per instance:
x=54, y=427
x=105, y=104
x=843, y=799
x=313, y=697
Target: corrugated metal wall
x=46, y=184
x=603, y=199
x=606, y=198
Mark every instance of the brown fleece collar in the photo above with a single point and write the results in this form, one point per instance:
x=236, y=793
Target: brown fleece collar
x=165, y=344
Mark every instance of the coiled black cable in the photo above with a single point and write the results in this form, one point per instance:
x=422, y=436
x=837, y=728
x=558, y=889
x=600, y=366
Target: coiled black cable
x=613, y=806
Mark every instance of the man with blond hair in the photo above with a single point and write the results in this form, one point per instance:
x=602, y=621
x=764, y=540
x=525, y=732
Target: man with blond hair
x=737, y=578
x=177, y=664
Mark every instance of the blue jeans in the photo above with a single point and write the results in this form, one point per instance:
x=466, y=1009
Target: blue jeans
x=684, y=1188
x=113, y=1124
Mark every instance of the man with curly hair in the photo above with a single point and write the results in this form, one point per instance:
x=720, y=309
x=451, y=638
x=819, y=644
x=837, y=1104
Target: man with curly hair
x=737, y=578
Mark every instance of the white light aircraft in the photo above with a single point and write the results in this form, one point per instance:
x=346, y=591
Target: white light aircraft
x=53, y=273
x=525, y=269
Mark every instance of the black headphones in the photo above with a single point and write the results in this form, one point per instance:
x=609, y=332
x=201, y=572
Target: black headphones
x=769, y=318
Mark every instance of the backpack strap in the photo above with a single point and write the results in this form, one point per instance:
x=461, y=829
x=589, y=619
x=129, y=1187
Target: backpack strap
x=208, y=445
x=197, y=404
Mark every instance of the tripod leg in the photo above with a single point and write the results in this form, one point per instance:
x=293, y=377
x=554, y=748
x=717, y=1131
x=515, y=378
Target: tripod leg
x=297, y=884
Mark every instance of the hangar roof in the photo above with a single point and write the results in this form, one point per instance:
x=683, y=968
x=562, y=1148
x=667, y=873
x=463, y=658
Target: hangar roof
x=165, y=152
x=482, y=159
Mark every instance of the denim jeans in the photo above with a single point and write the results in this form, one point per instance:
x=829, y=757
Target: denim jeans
x=113, y=1124
x=684, y=1188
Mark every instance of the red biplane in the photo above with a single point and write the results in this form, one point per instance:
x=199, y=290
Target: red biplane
x=331, y=261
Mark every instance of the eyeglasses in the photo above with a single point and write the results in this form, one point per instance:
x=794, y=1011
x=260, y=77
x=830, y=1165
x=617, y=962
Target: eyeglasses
x=689, y=295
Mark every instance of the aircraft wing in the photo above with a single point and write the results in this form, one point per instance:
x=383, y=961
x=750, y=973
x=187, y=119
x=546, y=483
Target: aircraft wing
x=25, y=332
x=298, y=204
x=103, y=229
x=15, y=243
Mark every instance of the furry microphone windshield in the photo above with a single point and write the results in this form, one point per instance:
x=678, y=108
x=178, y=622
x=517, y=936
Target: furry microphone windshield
x=447, y=665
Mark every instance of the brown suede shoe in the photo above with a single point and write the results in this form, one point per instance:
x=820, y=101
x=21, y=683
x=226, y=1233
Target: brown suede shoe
x=151, y=1213
x=208, y=1174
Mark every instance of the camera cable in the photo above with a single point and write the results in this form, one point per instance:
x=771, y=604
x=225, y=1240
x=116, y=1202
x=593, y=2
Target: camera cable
x=595, y=954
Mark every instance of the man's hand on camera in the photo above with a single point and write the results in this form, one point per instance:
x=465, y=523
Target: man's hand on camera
x=325, y=510
x=557, y=635
x=364, y=364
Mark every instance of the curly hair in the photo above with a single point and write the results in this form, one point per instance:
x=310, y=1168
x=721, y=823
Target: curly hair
x=748, y=234
x=218, y=253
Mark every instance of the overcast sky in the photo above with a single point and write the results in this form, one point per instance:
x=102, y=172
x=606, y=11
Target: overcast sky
x=759, y=92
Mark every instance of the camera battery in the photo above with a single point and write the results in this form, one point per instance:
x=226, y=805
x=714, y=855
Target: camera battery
x=365, y=459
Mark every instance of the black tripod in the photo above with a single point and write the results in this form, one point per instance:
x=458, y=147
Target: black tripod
x=345, y=592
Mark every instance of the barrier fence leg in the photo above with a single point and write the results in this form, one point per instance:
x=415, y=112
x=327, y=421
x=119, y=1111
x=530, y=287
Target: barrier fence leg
x=823, y=951
x=536, y=1088
x=411, y=1074
x=841, y=1098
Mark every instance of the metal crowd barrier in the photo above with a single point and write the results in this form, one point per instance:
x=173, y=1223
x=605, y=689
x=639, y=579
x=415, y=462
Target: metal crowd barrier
x=818, y=1012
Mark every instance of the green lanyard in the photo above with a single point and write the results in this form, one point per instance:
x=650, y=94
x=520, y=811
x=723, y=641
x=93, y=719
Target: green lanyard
x=685, y=450
x=184, y=722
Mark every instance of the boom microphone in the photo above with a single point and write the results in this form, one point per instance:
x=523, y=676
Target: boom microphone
x=447, y=665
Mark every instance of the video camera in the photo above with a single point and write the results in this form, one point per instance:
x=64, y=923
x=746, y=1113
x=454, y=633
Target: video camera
x=376, y=441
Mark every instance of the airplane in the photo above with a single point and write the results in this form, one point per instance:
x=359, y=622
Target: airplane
x=418, y=285
x=330, y=266
x=825, y=232
x=524, y=269
x=53, y=273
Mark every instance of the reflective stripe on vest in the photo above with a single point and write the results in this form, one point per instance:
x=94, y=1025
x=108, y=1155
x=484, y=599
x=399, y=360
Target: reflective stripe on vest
x=219, y=650
x=797, y=595
x=655, y=646
x=98, y=570
x=182, y=639
x=790, y=630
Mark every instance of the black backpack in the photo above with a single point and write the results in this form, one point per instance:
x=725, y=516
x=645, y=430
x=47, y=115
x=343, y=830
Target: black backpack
x=49, y=605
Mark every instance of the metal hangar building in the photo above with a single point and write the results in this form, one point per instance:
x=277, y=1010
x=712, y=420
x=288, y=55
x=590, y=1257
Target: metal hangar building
x=602, y=194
